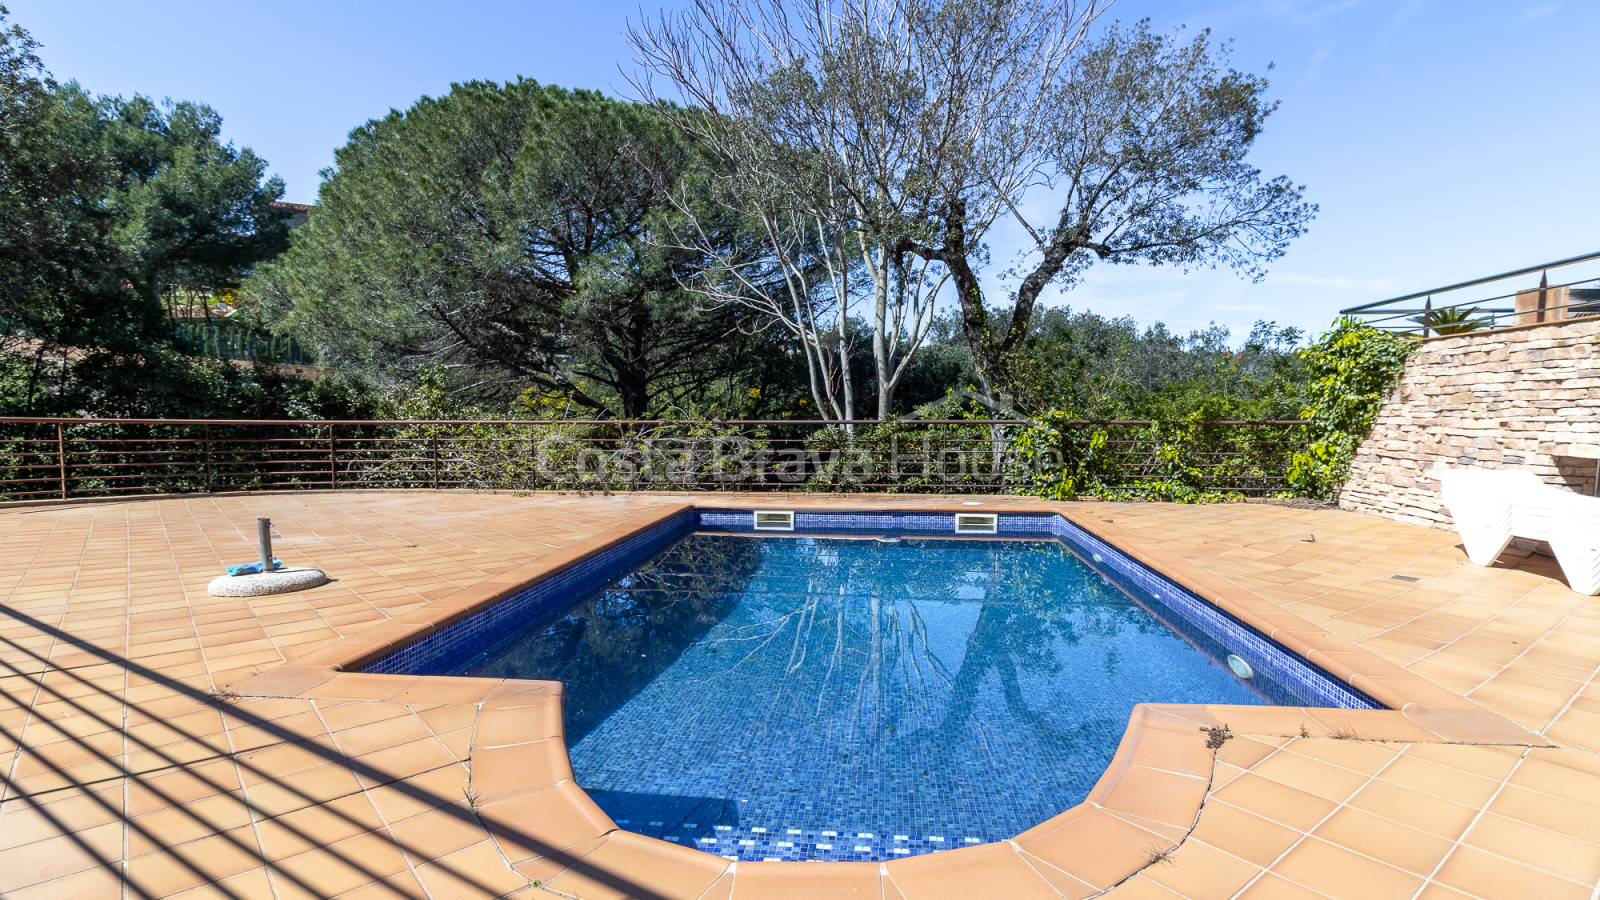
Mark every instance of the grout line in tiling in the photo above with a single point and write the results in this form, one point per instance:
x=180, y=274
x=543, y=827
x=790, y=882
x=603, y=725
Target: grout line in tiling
x=177, y=573
x=1338, y=805
x=1029, y=862
x=366, y=790
x=1188, y=834
x=1476, y=628
x=364, y=523
x=10, y=777
x=44, y=541
x=1524, y=652
x=1570, y=700
x=128, y=822
x=412, y=857
x=66, y=606
x=1514, y=860
x=471, y=775
x=1478, y=814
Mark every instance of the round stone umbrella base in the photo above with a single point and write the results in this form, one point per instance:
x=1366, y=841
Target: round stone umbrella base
x=282, y=581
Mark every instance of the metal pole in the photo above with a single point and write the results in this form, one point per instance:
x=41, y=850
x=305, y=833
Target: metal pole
x=333, y=464
x=205, y=442
x=436, y=460
x=61, y=457
x=264, y=531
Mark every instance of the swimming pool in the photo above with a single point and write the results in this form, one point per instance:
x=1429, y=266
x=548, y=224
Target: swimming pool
x=865, y=690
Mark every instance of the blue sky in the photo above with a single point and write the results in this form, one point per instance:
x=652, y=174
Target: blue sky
x=1444, y=139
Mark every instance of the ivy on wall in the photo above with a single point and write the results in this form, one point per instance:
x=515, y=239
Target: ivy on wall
x=1350, y=370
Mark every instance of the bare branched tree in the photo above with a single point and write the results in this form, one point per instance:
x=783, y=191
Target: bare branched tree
x=847, y=131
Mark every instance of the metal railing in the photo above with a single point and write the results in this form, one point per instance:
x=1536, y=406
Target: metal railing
x=67, y=458
x=1465, y=309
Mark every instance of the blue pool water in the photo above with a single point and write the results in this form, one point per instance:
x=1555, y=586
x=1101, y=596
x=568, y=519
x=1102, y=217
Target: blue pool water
x=859, y=698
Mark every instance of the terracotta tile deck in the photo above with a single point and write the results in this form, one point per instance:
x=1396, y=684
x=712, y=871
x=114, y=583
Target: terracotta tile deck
x=154, y=743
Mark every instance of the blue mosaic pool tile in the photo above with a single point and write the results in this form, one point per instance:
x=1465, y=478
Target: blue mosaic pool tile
x=747, y=844
x=447, y=649
x=836, y=522
x=1312, y=686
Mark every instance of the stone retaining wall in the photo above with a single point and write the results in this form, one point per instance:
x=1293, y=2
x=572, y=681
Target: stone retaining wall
x=1526, y=398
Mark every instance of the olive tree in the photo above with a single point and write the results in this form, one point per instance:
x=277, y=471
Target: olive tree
x=845, y=129
x=1144, y=143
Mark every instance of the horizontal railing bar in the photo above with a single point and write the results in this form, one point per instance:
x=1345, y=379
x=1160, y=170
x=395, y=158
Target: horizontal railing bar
x=110, y=476
x=140, y=440
x=132, y=450
x=309, y=482
x=1473, y=282
x=1494, y=314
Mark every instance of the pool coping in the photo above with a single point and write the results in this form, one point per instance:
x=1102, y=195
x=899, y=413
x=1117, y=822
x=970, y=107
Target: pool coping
x=1148, y=799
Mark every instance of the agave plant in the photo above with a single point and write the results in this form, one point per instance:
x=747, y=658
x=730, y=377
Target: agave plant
x=1449, y=320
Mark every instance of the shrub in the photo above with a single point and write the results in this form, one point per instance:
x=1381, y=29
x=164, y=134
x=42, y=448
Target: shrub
x=1350, y=370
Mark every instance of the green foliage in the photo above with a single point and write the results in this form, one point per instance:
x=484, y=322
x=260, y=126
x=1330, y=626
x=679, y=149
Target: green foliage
x=1146, y=141
x=102, y=202
x=1350, y=370
x=507, y=251
x=1182, y=459
x=1060, y=458
x=58, y=280
x=905, y=457
x=1449, y=320
x=519, y=234
x=548, y=447
x=1103, y=368
x=229, y=341
x=1088, y=371
x=189, y=209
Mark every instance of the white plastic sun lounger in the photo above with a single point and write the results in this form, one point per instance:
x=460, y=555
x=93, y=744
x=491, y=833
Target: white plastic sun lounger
x=1492, y=506
x=1575, y=539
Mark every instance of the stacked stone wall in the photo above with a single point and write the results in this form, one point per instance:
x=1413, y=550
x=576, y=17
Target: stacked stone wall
x=1514, y=398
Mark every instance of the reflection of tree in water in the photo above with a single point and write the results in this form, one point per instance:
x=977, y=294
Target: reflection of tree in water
x=1012, y=638
x=851, y=619
x=608, y=648
x=814, y=682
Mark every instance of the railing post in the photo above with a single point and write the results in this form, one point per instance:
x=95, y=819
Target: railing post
x=61, y=457
x=333, y=463
x=436, y=459
x=205, y=448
